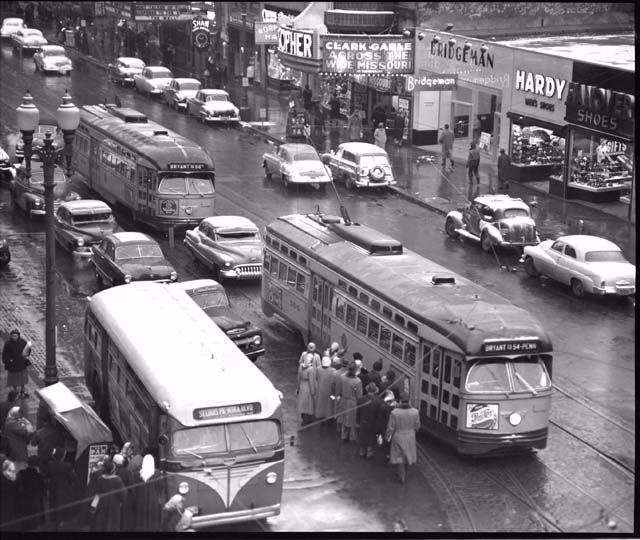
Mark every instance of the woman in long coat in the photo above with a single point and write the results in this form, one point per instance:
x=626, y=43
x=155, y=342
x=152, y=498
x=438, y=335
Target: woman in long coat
x=324, y=403
x=148, y=495
x=404, y=421
x=31, y=495
x=62, y=487
x=8, y=497
x=367, y=416
x=307, y=388
x=112, y=495
x=349, y=391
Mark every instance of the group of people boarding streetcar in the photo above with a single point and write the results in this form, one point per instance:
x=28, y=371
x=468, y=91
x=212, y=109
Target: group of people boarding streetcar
x=366, y=407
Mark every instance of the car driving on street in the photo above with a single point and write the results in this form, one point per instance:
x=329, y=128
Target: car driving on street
x=152, y=80
x=212, y=106
x=52, y=58
x=83, y=223
x=360, y=164
x=123, y=69
x=179, y=90
x=28, y=39
x=10, y=26
x=296, y=164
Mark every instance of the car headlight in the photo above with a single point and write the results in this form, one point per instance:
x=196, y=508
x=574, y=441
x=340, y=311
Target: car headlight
x=80, y=242
x=37, y=202
x=257, y=340
x=174, y=276
x=227, y=264
x=3, y=243
x=127, y=278
x=271, y=477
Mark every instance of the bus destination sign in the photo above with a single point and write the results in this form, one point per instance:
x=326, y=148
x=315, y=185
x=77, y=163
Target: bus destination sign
x=213, y=413
x=186, y=166
x=512, y=346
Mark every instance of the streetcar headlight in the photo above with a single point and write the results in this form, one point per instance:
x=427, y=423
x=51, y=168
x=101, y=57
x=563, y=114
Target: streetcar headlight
x=271, y=478
x=515, y=419
x=174, y=276
x=257, y=340
x=127, y=278
x=188, y=210
x=80, y=242
x=183, y=488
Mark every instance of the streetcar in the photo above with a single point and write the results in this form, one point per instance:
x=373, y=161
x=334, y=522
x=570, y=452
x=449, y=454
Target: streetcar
x=477, y=367
x=158, y=176
x=165, y=376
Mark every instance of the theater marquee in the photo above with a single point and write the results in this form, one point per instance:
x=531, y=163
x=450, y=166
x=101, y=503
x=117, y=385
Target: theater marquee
x=367, y=55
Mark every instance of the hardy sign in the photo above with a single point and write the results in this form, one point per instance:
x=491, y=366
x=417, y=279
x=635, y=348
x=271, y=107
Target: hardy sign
x=352, y=54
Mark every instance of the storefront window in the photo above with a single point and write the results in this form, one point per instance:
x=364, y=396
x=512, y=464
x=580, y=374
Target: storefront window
x=276, y=70
x=533, y=146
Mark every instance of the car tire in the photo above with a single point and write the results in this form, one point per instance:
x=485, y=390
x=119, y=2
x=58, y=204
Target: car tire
x=450, y=228
x=267, y=174
x=530, y=267
x=577, y=288
x=485, y=242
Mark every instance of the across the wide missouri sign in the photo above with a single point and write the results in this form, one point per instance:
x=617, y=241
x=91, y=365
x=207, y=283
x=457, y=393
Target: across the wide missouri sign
x=367, y=55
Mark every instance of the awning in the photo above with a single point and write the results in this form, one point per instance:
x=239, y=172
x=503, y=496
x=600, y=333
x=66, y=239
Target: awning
x=80, y=420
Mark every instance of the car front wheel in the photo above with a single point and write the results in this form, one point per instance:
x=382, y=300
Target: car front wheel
x=450, y=228
x=577, y=288
x=530, y=267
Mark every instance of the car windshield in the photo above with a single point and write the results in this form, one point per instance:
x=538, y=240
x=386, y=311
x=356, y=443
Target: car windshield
x=186, y=185
x=83, y=219
x=604, y=256
x=161, y=74
x=207, y=299
x=515, y=212
x=54, y=51
x=133, y=64
x=190, y=86
x=216, y=97
x=373, y=160
x=225, y=438
x=305, y=155
x=139, y=251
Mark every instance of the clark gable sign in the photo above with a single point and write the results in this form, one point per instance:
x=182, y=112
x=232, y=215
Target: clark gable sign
x=384, y=55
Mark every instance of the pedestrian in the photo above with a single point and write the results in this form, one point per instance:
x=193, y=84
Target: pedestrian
x=504, y=161
x=378, y=115
x=148, y=497
x=367, y=420
x=334, y=355
x=380, y=136
x=7, y=405
x=128, y=479
x=306, y=97
x=354, y=125
x=375, y=375
x=17, y=430
x=307, y=389
x=334, y=108
x=387, y=404
x=324, y=378
x=47, y=437
x=473, y=162
x=109, y=498
x=62, y=488
x=476, y=129
x=8, y=497
x=361, y=371
x=15, y=357
x=311, y=349
x=349, y=391
x=404, y=421
x=31, y=495
x=446, y=141
x=389, y=383
x=336, y=386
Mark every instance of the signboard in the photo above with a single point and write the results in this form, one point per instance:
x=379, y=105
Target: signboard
x=601, y=109
x=96, y=455
x=266, y=33
x=295, y=42
x=485, y=141
x=354, y=54
x=482, y=416
x=175, y=11
x=186, y=166
x=227, y=411
x=200, y=36
x=417, y=83
x=511, y=346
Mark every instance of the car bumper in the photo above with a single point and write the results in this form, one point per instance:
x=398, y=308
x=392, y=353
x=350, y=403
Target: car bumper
x=82, y=252
x=37, y=212
x=517, y=244
x=31, y=48
x=182, y=105
x=200, y=522
x=615, y=290
x=56, y=69
x=156, y=92
x=310, y=180
x=368, y=183
x=221, y=119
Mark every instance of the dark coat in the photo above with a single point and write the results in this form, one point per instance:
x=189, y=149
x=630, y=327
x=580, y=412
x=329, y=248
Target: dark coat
x=8, y=502
x=384, y=411
x=148, y=498
x=374, y=377
x=128, y=510
x=31, y=494
x=12, y=355
x=112, y=494
x=63, y=486
x=350, y=390
x=47, y=438
x=17, y=435
x=368, y=407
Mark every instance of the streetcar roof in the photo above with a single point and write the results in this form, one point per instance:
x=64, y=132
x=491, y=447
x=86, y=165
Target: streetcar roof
x=194, y=365
x=463, y=311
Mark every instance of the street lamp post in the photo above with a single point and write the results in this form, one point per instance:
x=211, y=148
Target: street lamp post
x=67, y=118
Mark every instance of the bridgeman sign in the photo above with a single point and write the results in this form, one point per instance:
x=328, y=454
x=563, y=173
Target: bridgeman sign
x=419, y=83
x=367, y=55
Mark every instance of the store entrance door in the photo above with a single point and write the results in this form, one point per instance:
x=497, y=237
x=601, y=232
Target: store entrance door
x=461, y=123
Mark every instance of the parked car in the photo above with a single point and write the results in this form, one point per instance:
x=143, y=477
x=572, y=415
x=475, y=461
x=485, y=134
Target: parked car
x=5, y=251
x=7, y=168
x=28, y=192
x=231, y=246
x=211, y=105
x=28, y=39
x=212, y=298
x=296, y=164
x=83, y=223
x=124, y=257
x=588, y=264
x=152, y=80
x=124, y=69
x=52, y=58
x=10, y=26
x=360, y=164
x=495, y=221
x=179, y=90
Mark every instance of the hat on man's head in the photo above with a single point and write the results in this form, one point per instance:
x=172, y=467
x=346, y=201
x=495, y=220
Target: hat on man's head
x=371, y=388
x=404, y=397
x=344, y=361
x=334, y=347
x=311, y=346
x=15, y=331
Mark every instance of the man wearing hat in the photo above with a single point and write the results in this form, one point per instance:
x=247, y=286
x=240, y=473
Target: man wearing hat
x=336, y=385
x=311, y=349
x=15, y=357
x=349, y=391
x=367, y=418
x=404, y=421
x=324, y=377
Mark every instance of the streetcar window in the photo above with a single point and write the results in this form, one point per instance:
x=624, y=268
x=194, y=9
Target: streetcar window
x=385, y=338
x=374, y=330
x=351, y=315
x=342, y=284
x=284, y=249
x=397, y=346
x=293, y=255
x=399, y=319
x=413, y=327
x=249, y=435
x=529, y=375
x=303, y=260
x=375, y=304
x=199, y=186
x=488, y=376
x=301, y=283
x=340, y=305
x=410, y=354
x=364, y=298
x=362, y=323
x=266, y=259
x=174, y=185
x=291, y=278
x=386, y=312
x=353, y=291
x=447, y=368
x=276, y=245
x=275, y=263
x=282, y=274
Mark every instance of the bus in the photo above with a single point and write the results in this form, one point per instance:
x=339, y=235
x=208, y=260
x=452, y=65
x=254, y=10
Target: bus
x=477, y=368
x=164, y=376
x=157, y=176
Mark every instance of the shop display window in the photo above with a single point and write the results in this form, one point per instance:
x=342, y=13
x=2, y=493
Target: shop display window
x=276, y=70
x=600, y=163
x=534, y=146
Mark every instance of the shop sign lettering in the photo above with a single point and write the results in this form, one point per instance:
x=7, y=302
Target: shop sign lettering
x=540, y=85
x=295, y=43
x=473, y=56
x=431, y=82
x=390, y=55
x=266, y=33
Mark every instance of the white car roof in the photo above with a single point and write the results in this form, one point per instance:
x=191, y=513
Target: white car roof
x=128, y=59
x=585, y=242
x=31, y=32
x=197, y=283
x=363, y=148
x=182, y=80
x=54, y=48
x=219, y=222
x=214, y=92
x=132, y=237
x=12, y=21
x=158, y=68
x=86, y=205
x=501, y=200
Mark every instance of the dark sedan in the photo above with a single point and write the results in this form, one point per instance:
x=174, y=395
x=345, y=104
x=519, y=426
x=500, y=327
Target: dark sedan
x=130, y=256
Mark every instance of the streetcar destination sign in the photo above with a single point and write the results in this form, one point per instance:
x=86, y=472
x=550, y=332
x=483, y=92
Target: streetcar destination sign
x=213, y=413
x=186, y=166
x=511, y=346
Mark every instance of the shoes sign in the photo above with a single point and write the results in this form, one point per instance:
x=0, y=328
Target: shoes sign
x=200, y=33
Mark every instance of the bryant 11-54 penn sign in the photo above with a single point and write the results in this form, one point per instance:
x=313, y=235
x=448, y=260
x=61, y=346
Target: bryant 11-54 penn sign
x=383, y=54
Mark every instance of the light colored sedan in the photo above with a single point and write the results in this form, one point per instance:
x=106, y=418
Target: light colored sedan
x=152, y=80
x=296, y=164
x=124, y=68
x=28, y=39
x=82, y=223
x=10, y=26
x=212, y=105
x=588, y=264
x=231, y=246
x=52, y=58
x=179, y=90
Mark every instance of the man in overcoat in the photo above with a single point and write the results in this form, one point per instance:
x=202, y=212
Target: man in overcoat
x=324, y=403
x=349, y=391
x=367, y=418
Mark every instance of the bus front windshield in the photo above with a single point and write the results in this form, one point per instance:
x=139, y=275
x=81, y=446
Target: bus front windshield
x=186, y=185
x=225, y=438
x=524, y=374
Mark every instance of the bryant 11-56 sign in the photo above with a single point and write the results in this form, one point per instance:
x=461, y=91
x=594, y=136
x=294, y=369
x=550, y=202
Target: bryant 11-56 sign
x=384, y=55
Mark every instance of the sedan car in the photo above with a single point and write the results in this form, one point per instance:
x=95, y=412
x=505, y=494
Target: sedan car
x=360, y=164
x=179, y=90
x=5, y=251
x=296, y=164
x=28, y=192
x=211, y=105
x=123, y=70
x=124, y=257
x=494, y=220
x=231, y=246
x=212, y=298
x=52, y=58
x=152, y=80
x=10, y=26
x=588, y=264
x=83, y=223
x=28, y=39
